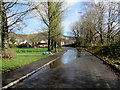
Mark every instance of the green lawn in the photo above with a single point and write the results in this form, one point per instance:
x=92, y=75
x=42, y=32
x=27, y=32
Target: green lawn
x=20, y=60
x=30, y=50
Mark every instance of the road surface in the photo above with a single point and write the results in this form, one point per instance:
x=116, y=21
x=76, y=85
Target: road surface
x=75, y=69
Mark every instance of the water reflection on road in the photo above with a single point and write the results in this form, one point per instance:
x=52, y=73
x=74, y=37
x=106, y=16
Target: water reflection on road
x=69, y=56
x=74, y=69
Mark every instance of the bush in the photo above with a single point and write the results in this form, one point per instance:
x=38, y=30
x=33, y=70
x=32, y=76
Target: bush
x=111, y=50
x=12, y=45
x=23, y=45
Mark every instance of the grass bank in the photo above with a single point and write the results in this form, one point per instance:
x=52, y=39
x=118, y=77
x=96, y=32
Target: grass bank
x=30, y=50
x=109, y=52
x=18, y=61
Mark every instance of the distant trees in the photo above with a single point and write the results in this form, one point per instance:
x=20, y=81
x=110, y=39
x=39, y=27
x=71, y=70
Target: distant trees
x=99, y=24
x=77, y=31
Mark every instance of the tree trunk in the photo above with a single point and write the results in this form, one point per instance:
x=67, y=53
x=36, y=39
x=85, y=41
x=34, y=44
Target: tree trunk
x=101, y=38
x=101, y=32
x=55, y=46
x=49, y=41
x=49, y=28
x=5, y=37
x=108, y=37
x=0, y=26
x=52, y=44
x=109, y=15
x=112, y=38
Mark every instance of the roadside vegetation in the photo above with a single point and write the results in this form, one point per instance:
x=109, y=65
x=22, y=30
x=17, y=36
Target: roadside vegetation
x=23, y=56
x=109, y=52
x=99, y=32
x=18, y=61
x=30, y=50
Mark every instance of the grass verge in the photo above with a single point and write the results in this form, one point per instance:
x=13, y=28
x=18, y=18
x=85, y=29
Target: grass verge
x=18, y=61
x=109, y=52
x=30, y=50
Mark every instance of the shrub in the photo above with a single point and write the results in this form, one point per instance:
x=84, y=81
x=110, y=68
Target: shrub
x=111, y=50
x=12, y=45
x=23, y=45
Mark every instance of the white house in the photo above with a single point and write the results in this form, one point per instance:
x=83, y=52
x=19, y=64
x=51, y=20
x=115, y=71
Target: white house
x=43, y=43
x=20, y=41
x=23, y=42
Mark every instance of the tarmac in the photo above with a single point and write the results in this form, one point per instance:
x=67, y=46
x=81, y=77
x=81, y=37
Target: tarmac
x=74, y=69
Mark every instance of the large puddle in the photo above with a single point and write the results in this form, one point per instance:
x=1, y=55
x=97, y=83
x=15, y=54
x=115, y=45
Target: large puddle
x=69, y=56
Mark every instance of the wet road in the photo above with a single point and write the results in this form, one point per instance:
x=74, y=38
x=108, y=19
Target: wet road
x=75, y=69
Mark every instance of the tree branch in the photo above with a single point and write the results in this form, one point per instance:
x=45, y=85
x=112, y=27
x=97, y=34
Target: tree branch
x=10, y=6
x=22, y=12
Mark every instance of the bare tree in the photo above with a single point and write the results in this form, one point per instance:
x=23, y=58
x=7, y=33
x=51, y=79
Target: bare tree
x=86, y=27
x=77, y=30
x=113, y=16
x=15, y=17
x=100, y=22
